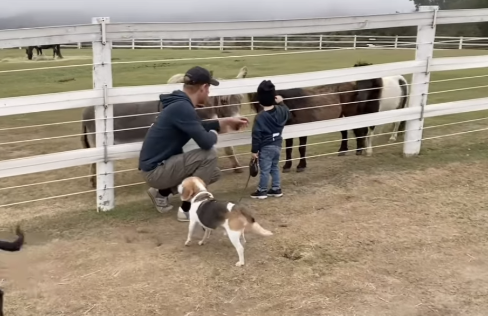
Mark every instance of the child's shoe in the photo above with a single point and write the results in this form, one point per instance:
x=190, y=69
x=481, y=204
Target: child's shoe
x=259, y=195
x=275, y=193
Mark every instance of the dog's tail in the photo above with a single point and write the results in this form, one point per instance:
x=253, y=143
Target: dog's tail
x=14, y=245
x=258, y=229
x=252, y=224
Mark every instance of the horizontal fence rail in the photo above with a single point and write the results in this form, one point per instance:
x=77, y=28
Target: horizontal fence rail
x=16, y=167
x=105, y=36
x=295, y=42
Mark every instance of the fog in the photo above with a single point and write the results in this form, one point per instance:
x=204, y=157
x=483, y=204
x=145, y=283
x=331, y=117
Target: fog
x=31, y=13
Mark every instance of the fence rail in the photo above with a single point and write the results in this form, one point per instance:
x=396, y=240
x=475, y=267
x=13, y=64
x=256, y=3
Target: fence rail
x=294, y=42
x=104, y=97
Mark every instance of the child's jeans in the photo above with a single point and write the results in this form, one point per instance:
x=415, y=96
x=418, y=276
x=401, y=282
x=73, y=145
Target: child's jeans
x=269, y=157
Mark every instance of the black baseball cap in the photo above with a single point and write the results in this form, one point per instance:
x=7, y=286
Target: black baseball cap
x=199, y=75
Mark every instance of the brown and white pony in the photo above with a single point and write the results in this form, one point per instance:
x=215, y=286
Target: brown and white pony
x=134, y=128
x=313, y=104
x=219, y=107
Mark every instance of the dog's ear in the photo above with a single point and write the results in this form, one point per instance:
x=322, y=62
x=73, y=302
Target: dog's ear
x=187, y=193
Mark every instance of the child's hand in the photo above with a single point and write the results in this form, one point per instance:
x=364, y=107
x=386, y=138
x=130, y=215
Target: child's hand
x=279, y=99
x=254, y=155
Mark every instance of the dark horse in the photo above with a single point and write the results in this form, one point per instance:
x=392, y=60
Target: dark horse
x=11, y=246
x=314, y=104
x=56, y=50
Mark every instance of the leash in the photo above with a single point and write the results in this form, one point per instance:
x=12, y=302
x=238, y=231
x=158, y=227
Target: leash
x=253, y=171
x=247, y=183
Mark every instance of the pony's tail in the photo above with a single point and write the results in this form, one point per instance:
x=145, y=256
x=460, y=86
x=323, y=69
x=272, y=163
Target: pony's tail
x=403, y=102
x=84, y=137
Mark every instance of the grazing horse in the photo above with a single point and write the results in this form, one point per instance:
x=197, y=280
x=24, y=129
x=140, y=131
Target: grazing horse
x=134, y=128
x=309, y=105
x=378, y=95
x=56, y=50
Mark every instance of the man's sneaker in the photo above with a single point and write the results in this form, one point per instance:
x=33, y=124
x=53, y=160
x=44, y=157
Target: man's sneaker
x=275, y=193
x=259, y=195
x=182, y=216
x=160, y=202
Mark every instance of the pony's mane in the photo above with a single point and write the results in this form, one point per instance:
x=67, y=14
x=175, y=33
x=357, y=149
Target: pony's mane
x=362, y=63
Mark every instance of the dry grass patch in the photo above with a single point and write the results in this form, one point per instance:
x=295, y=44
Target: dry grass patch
x=382, y=243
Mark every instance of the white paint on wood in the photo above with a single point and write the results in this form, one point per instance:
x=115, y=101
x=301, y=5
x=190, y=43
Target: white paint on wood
x=48, y=35
x=102, y=79
x=50, y=102
x=420, y=83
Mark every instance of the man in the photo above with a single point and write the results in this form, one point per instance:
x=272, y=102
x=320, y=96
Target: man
x=162, y=162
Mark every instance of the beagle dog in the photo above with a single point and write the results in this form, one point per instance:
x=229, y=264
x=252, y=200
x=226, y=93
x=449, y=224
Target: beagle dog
x=11, y=246
x=211, y=214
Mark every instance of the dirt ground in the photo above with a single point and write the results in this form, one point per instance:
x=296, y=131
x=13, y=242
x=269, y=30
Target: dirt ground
x=367, y=242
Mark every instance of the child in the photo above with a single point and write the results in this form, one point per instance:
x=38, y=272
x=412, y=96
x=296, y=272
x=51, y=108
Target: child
x=267, y=139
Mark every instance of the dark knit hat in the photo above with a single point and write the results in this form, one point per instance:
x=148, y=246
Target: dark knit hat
x=266, y=93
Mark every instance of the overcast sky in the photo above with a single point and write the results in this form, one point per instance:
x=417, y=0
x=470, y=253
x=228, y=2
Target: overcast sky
x=203, y=10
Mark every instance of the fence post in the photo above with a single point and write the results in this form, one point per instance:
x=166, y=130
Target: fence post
x=396, y=41
x=320, y=41
x=461, y=42
x=189, y=43
x=355, y=41
x=133, y=43
x=420, y=83
x=252, y=42
x=221, y=43
x=104, y=123
x=286, y=42
x=161, y=44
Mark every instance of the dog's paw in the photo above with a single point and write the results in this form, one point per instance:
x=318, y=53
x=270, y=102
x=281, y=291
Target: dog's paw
x=201, y=243
x=239, y=264
x=187, y=243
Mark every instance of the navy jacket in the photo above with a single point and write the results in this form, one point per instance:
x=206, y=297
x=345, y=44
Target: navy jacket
x=177, y=123
x=268, y=126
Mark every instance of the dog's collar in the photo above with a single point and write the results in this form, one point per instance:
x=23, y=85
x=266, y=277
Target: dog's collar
x=202, y=196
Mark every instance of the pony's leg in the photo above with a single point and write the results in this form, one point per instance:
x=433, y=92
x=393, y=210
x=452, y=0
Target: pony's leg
x=229, y=151
x=369, y=141
x=289, y=149
x=303, y=150
x=360, y=134
x=344, y=148
x=59, y=52
x=93, y=178
x=394, y=133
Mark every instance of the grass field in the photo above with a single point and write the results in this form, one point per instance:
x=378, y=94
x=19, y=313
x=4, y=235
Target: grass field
x=380, y=235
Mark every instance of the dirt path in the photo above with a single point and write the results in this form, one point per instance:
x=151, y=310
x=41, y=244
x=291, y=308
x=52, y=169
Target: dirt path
x=390, y=243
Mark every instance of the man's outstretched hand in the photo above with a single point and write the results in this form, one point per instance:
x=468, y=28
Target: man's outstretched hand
x=233, y=124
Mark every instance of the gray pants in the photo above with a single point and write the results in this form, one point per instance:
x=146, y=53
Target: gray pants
x=198, y=162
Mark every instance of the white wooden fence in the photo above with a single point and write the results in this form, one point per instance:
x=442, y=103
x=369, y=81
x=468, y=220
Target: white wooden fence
x=296, y=42
x=102, y=33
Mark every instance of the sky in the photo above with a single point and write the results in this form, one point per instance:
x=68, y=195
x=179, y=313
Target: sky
x=196, y=10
